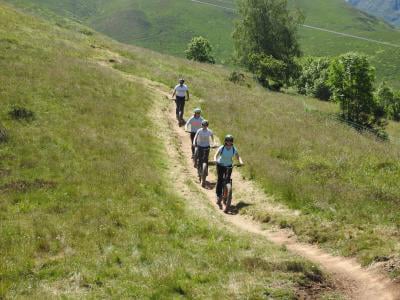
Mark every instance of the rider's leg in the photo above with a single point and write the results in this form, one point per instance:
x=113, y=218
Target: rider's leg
x=228, y=174
x=206, y=154
x=192, y=134
x=182, y=110
x=220, y=171
x=180, y=102
x=177, y=108
x=201, y=155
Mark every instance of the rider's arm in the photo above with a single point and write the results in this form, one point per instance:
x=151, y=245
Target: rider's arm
x=195, y=138
x=212, y=139
x=187, y=93
x=174, y=93
x=239, y=158
x=187, y=123
x=217, y=154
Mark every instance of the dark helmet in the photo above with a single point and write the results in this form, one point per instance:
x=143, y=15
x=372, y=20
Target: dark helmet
x=181, y=80
x=228, y=138
x=204, y=123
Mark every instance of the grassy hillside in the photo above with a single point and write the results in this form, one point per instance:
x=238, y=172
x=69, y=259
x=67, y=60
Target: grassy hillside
x=385, y=9
x=168, y=25
x=85, y=207
x=345, y=185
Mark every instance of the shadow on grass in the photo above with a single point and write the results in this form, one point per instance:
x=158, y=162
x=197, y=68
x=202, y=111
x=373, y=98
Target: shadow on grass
x=210, y=185
x=235, y=209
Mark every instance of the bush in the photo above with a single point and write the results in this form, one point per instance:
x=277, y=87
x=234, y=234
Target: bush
x=236, y=77
x=21, y=113
x=200, y=49
x=389, y=100
x=351, y=78
x=270, y=72
x=396, y=107
x=3, y=135
x=313, y=80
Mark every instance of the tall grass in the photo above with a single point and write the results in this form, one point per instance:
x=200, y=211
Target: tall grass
x=85, y=207
x=344, y=184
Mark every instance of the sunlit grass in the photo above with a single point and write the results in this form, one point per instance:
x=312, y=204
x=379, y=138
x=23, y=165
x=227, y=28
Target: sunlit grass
x=86, y=210
x=345, y=184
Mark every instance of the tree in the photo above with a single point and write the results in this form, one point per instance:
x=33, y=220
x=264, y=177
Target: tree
x=351, y=78
x=396, y=106
x=389, y=100
x=200, y=49
x=313, y=80
x=267, y=31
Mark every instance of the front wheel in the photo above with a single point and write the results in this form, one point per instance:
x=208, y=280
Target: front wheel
x=228, y=195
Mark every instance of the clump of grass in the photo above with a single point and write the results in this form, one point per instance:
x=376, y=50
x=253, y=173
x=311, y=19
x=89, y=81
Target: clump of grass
x=236, y=77
x=3, y=134
x=86, y=32
x=21, y=113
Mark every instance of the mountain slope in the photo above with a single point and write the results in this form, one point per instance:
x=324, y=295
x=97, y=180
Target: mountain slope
x=168, y=25
x=86, y=206
x=386, y=9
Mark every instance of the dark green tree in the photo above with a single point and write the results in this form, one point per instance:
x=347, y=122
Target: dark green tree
x=200, y=49
x=265, y=38
x=351, y=78
x=389, y=100
x=396, y=106
x=313, y=80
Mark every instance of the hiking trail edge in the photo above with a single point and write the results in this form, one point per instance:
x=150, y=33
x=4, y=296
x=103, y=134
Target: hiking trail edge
x=349, y=277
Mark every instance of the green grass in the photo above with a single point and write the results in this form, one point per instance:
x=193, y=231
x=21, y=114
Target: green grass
x=168, y=25
x=345, y=185
x=85, y=207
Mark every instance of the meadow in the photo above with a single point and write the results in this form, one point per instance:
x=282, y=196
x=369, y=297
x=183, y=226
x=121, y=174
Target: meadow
x=86, y=208
x=343, y=184
x=157, y=25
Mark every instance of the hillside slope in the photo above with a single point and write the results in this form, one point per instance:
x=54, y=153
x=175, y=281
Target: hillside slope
x=386, y=9
x=86, y=207
x=168, y=25
x=344, y=185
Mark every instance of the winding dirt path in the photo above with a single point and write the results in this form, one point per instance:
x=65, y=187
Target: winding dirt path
x=349, y=277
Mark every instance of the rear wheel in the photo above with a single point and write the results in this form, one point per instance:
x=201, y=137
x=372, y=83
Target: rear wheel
x=204, y=174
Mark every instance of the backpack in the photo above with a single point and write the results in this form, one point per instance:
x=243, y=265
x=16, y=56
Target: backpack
x=223, y=148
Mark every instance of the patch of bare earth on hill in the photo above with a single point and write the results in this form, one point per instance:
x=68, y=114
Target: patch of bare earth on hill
x=347, y=275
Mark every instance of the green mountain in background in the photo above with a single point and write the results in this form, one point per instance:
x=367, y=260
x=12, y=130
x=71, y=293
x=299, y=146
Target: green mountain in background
x=168, y=25
x=386, y=9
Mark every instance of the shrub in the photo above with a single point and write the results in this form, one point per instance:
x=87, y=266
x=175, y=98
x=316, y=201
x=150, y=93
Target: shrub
x=389, y=100
x=351, y=78
x=396, y=106
x=270, y=72
x=200, y=49
x=236, y=77
x=313, y=80
x=21, y=113
x=3, y=135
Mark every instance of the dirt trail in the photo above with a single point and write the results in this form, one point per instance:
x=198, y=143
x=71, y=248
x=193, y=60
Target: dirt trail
x=350, y=278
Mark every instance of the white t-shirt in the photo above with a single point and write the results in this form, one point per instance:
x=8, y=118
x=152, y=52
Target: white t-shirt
x=194, y=123
x=202, y=138
x=181, y=90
